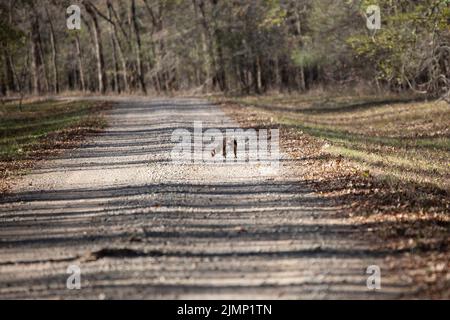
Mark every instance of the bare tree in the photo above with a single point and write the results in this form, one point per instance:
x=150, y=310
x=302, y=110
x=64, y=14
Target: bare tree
x=80, y=62
x=96, y=34
x=140, y=72
x=54, y=52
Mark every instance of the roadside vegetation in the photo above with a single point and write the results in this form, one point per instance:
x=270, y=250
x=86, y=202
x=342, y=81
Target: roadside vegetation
x=36, y=130
x=397, y=139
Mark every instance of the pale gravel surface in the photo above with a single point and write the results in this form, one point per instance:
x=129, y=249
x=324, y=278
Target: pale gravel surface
x=193, y=231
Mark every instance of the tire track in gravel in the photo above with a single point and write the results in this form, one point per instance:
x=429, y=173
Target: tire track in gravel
x=140, y=226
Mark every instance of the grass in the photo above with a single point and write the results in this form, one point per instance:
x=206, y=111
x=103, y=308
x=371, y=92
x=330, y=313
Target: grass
x=23, y=127
x=396, y=138
x=35, y=130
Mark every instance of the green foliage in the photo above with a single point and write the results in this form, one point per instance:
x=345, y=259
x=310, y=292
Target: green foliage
x=403, y=43
x=10, y=35
x=304, y=58
x=274, y=14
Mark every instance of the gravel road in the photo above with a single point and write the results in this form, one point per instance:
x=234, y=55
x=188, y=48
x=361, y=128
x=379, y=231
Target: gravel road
x=139, y=226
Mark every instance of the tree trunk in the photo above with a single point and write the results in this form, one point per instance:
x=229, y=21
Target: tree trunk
x=3, y=81
x=101, y=74
x=208, y=44
x=140, y=68
x=158, y=25
x=54, y=54
x=221, y=75
x=120, y=53
x=80, y=63
x=257, y=75
x=298, y=27
x=10, y=78
x=35, y=87
x=276, y=72
x=40, y=50
x=116, y=80
x=205, y=57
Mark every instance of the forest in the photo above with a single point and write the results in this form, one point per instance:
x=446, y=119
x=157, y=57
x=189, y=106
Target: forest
x=234, y=47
